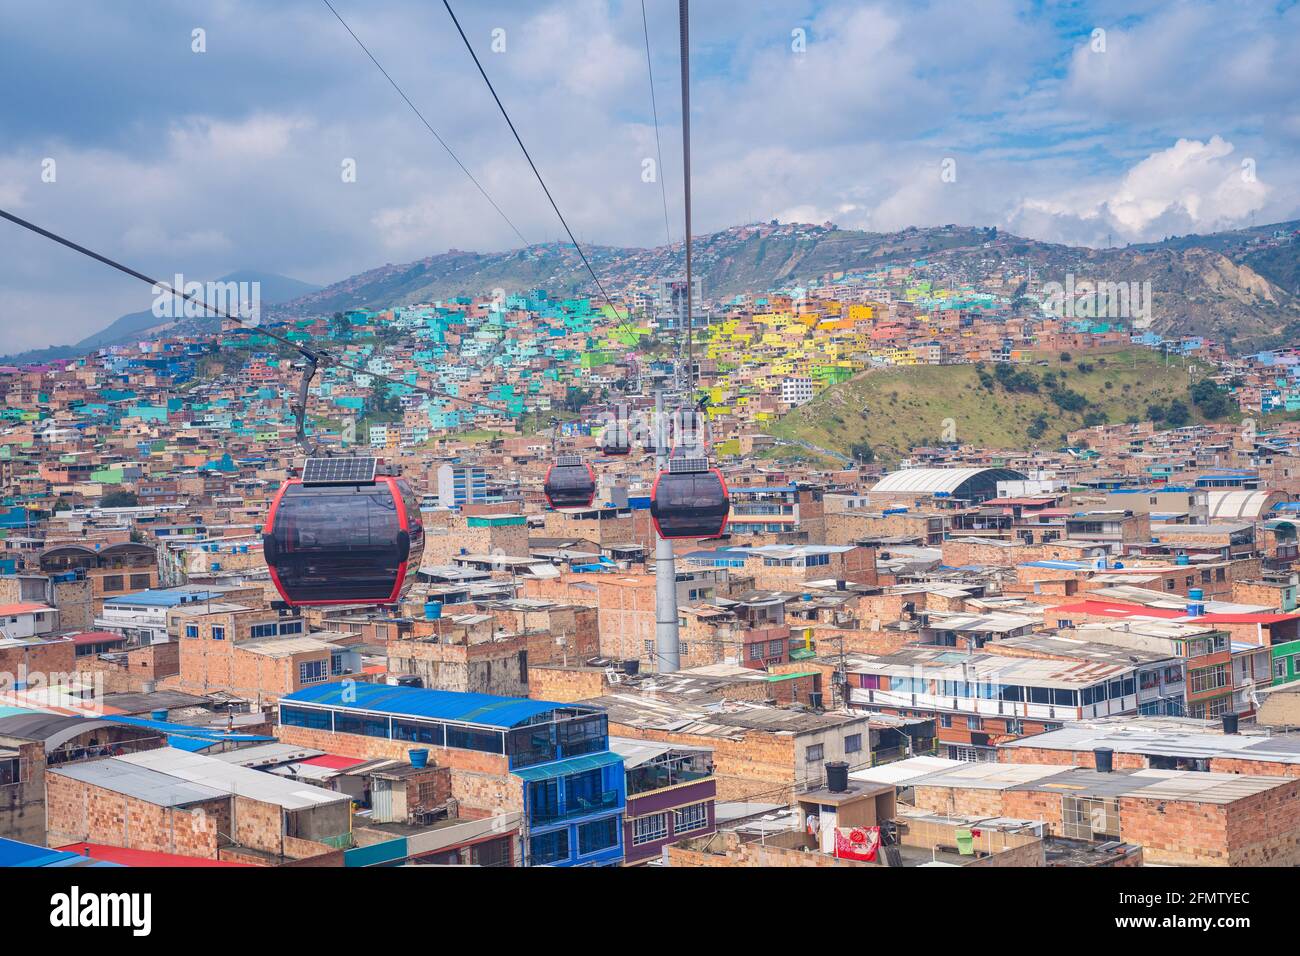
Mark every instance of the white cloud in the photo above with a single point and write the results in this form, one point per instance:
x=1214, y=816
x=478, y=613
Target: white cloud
x=243, y=169
x=1192, y=186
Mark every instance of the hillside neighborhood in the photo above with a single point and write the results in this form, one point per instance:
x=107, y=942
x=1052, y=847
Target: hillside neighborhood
x=1079, y=652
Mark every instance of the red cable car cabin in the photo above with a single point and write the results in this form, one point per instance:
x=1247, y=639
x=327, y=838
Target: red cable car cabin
x=689, y=500
x=570, y=483
x=343, y=535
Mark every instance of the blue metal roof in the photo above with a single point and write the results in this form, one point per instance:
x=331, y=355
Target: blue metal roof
x=484, y=709
x=13, y=853
x=163, y=598
x=559, y=768
x=210, y=734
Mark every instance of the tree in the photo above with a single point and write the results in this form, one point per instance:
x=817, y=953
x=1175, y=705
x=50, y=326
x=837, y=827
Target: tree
x=1069, y=400
x=1213, y=401
x=862, y=451
x=119, y=498
x=575, y=398
x=1178, y=414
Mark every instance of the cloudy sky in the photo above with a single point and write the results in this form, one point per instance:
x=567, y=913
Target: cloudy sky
x=1082, y=122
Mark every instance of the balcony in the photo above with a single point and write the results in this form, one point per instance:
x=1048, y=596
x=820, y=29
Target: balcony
x=581, y=807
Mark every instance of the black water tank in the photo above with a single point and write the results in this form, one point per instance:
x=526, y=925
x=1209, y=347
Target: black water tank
x=837, y=776
x=1230, y=723
x=1105, y=758
x=410, y=680
x=631, y=668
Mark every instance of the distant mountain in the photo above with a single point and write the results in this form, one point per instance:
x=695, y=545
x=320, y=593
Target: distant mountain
x=275, y=289
x=1240, y=287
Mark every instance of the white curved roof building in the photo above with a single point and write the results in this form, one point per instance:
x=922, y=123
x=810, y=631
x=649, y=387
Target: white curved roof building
x=1239, y=505
x=970, y=484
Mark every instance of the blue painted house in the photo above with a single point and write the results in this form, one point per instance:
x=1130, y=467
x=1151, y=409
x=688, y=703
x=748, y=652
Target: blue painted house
x=553, y=759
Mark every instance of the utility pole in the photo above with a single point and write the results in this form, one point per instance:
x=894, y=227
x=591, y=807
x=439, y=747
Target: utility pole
x=667, y=646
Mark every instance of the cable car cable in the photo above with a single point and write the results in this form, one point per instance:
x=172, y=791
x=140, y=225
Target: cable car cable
x=416, y=111
x=527, y=156
x=683, y=9
x=312, y=355
x=654, y=109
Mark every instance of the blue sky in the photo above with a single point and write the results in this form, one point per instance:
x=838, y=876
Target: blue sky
x=1179, y=117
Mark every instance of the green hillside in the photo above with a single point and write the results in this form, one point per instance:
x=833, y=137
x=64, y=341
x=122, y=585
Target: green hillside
x=895, y=410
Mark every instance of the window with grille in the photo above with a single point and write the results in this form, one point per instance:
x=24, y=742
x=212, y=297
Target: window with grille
x=312, y=672
x=648, y=829
x=694, y=817
x=1089, y=818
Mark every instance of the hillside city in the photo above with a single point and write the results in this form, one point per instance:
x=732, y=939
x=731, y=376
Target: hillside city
x=1009, y=578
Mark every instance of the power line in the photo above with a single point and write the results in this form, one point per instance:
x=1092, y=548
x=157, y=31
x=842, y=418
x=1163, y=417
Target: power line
x=654, y=109
x=509, y=122
x=415, y=110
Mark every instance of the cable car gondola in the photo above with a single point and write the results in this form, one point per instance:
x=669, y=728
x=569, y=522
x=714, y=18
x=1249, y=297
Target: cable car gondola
x=689, y=500
x=614, y=439
x=343, y=534
x=570, y=483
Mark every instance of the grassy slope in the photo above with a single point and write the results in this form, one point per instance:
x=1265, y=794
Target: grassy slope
x=898, y=409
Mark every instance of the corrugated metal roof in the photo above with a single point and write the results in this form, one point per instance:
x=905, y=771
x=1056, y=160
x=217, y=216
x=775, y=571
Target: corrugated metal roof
x=901, y=772
x=1178, y=743
x=637, y=752
x=1239, y=504
x=263, y=755
x=13, y=853
x=560, y=768
x=928, y=481
x=986, y=776
x=126, y=777
x=484, y=709
x=225, y=778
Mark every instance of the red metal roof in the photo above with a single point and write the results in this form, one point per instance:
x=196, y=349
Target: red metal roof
x=1245, y=618
x=128, y=857
x=1022, y=501
x=97, y=637
x=25, y=608
x=333, y=761
x=1117, y=609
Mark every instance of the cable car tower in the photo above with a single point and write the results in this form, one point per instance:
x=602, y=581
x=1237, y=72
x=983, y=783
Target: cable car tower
x=689, y=498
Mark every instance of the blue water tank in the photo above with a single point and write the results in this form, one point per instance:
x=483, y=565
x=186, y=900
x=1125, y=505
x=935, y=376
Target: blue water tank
x=1182, y=560
x=419, y=757
x=432, y=611
x=160, y=714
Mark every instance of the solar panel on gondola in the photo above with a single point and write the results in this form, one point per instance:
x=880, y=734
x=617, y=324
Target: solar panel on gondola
x=339, y=471
x=343, y=534
x=689, y=499
x=569, y=483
